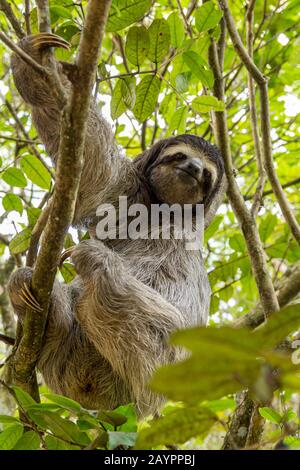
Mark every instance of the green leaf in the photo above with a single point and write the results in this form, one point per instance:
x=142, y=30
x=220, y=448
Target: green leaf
x=177, y=31
x=10, y=436
x=204, y=104
x=23, y=398
x=63, y=402
x=176, y=427
x=137, y=45
x=128, y=91
x=112, y=417
x=53, y=443
x=237, y=243
x=270, y=414
x=178, y=120
x=12, y=202
x=207, y=16
x=8, y=419
x=147, y=93
x=159, y=35
x=36, y=171
x=182, y=82
x=213, y=227
x=29, y=441
x=14, y=177
x=33, y=214
x=199, y=67
x=68, y=272
x=129, y=412
x=279, y=326
x=125, y=12
x=60, y=427
x=266, y=227
x=21, y=241
x=116, y=439
x=117, y=105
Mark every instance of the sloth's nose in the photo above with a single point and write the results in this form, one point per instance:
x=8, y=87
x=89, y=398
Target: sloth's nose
x=192, y=166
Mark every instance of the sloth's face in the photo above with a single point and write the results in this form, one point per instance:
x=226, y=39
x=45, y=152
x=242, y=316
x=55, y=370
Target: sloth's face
x=182, y=175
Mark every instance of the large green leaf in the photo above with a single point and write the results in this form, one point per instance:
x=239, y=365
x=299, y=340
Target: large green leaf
x=36, y=171
x=14, y=177
x=199, y=68
x=12, y=202
x=159, y=35
x=137, y=45
x=29, y=441
x=147, y=93
x=176, y=29
x=10, y=436
x=63, y=402
x=178, y=120
x=125, y=12
x=117, y=105
x=176, y=427
x=21, y=241
x=207, y=16
x=60, y=427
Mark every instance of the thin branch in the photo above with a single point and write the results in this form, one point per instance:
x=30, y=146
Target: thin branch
x=7, y=10
x=7, y=339
x=186, y=23
x=253, y=114
x=27, y=17
x=44, y=16
x=69, y=167
x=262, y=83
x=36, y=235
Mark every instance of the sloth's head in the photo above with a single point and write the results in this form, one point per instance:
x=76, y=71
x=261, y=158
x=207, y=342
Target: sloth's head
x=185, y=169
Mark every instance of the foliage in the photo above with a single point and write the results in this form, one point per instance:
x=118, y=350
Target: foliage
x=153, y=81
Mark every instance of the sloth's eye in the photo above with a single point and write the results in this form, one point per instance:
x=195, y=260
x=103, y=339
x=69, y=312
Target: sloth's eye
x=179, y=156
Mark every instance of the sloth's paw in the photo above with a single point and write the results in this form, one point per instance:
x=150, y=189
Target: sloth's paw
x=42, y=41
x=19, y=289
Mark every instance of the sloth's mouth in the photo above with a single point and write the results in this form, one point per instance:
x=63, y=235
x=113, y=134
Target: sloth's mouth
x=189, y=174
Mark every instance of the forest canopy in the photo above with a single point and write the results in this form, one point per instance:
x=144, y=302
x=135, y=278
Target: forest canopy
x=226, y=71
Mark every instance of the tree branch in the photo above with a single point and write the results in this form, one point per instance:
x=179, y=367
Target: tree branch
x=69, y=166
x=7, y=10
x=262, y=83
x=253, y=115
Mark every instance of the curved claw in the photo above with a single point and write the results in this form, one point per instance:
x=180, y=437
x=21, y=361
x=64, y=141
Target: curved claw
x=66, y=254
x=29, y=299
x=44, y=40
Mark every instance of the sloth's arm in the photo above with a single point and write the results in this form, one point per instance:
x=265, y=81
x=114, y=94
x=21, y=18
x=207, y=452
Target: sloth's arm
x=103, y=168
x=128, y=322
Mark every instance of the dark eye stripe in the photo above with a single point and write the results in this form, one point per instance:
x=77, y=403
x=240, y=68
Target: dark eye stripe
x=174, y=157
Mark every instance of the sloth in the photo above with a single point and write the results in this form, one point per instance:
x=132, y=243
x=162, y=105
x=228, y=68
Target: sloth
x=108, y=330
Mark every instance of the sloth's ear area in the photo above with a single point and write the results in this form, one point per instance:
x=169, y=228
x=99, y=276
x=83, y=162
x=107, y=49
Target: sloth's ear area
x=145, y=161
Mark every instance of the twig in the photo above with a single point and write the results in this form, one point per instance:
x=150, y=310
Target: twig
x=27, y=17
x=7, y=10
x=7, y=339
x=253, y=115
x=186, y=23
x=36, y=235
x=262, y=83
x=69, y=166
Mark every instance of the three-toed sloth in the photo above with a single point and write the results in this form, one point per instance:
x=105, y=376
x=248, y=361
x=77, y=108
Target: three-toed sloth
x=108, y=330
